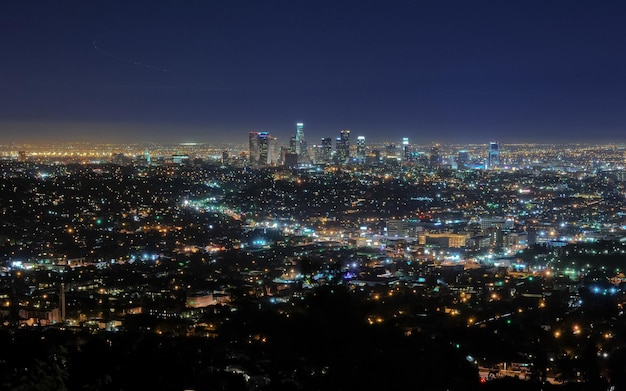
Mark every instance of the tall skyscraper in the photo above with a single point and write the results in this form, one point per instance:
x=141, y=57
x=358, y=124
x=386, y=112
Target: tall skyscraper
x=263, y=149
x=494, y=155
x=434, y=158
x=360, y=148
x=298, y=144
x=317, y=153
x=343, y=146
x=292, y=145
x=462, y=160
x=301, y=146
x=299, y=137
x=327, y=150
x=253, y=147
x=406, y=149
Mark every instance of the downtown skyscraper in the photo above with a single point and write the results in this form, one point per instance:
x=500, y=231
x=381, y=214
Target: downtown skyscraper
x=406, y=149
x=327, y=150
x=343, y=146
x=494, y=155
x=360, y=148
x=300, y=146
x=262, y=149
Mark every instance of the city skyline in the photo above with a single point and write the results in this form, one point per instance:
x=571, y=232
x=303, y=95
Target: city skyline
x=444, y=72
x=504, y=261
x=313, y=195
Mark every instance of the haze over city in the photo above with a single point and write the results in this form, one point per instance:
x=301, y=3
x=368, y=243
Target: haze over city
x=445, y=71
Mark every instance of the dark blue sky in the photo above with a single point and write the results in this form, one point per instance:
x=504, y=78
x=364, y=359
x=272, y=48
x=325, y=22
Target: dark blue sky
x=447, y=71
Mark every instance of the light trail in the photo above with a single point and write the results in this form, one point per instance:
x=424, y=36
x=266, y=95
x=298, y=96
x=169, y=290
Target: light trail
x=124, y=59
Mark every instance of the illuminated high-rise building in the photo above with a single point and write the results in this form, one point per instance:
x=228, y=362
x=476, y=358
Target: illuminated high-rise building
x=317, y=154
x=299, y=137
x=327, y=150
x=269, y=149
x=253, y=147
x=263, y=149
x=343, y=146
x=406, y=149
x=360, y=148
x=292, y=145
x=462, y=160
x=434, y=158
x=300, y=144
x=494, y=155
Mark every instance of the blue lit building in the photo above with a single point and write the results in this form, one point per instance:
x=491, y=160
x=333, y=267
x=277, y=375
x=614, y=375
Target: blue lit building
x=494, y=155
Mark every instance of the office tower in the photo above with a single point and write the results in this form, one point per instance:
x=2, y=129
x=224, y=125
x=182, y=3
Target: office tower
x=339, y=156
x=292, y=145
x=299, y=138
x=254, y=148
x=305, y=154
x=406, y=149
x=317, y=154
x=434, y=156
x=267, y=149
x=299, y=146
x=462, y=160
x=327, y=150
x=397, y=228
x=343, y=146
x=262, y=149
x=360, y=148
x=494, y=155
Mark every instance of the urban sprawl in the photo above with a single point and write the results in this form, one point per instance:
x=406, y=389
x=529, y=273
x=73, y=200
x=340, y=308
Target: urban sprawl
x=312, y=266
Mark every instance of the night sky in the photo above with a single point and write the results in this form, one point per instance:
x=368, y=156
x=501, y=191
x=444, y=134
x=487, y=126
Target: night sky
x=207, y=71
